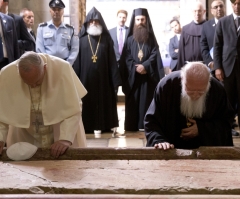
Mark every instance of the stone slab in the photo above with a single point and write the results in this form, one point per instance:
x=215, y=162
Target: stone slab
x=145, y=153
x=116, y=196
x=120, y=177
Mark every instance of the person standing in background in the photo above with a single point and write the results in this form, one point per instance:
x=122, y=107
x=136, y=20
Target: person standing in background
x=118, y=35
x=142, y=69
x=189, y=44
x=28, y=18
x=56, y=38
x=9, y=50
x=97, y=69
x=174, y=43
x=25, y=42
x=226, y=55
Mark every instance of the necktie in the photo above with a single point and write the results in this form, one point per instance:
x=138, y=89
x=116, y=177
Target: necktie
x=120, y=41
x=1, y=48
x=238, y=22
x=33, y=35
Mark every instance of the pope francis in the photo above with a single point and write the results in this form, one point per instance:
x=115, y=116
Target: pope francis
x=41, y=104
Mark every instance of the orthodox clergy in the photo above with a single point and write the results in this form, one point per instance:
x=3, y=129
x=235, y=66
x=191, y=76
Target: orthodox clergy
x=189, y=43
x=97, y=69
x=189, y=109
x=141, y=69
x=41, y=101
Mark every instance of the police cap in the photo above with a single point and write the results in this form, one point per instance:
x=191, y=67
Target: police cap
x=56, y=4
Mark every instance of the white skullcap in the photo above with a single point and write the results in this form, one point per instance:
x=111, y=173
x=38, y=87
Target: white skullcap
x=21, y=151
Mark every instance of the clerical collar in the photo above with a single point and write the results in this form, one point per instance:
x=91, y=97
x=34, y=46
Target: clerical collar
x=199, y=22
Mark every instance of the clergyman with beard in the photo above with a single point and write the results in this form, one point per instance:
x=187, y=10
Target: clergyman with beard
x=189, y=109
x=141, y=69
x=97, y=69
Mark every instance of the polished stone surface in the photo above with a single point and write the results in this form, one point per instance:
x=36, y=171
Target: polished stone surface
x=120, y=177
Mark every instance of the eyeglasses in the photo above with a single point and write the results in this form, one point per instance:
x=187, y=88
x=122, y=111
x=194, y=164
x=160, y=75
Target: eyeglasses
x=216, y=7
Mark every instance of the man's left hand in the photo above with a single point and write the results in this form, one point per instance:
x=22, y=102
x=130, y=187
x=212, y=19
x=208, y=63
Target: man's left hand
x=58, y=148
x=191, y=131
x=140, y=69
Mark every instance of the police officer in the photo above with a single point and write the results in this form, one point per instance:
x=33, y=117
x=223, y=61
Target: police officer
x=56, y=38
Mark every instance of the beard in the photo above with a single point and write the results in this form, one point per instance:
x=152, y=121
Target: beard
x=94, y=30
x=193, y=108
x=140, y=33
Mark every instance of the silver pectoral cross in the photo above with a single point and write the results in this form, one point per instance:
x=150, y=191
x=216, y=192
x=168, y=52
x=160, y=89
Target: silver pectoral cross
x=37, y=123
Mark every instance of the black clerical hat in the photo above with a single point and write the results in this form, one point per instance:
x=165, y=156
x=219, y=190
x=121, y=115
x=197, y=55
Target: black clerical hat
x=141, y=11
x=56, y=4
x=137, y=12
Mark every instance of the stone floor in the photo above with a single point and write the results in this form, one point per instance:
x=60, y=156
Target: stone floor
x=125, y=139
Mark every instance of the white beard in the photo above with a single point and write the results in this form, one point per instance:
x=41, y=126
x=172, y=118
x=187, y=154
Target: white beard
x=193, y=108
x=94, y=30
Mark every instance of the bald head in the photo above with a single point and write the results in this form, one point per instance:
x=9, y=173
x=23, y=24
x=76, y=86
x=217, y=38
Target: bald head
x=195, y=77
x=198, y=11
x=31, y=68
x=196, y=70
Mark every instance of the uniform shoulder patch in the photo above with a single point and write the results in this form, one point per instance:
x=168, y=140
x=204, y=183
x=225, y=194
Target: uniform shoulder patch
x=42, y=24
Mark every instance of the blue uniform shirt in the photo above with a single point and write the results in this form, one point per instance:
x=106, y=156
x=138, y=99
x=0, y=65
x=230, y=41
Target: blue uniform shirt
x=55, y=41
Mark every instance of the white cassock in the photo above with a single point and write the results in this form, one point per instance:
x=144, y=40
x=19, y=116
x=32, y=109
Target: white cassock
x=57, y=100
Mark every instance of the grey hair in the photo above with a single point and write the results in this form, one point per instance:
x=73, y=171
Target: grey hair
x=197, y=70
x=29, y=60
x=22, y=12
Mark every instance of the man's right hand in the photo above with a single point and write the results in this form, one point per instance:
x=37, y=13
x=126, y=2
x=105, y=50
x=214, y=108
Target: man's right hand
x=219, y=74
x=1, y=146
x=164, y=146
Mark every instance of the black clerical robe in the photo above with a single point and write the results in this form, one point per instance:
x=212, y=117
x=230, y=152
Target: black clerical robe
x=100, y=78
x=164, y=121
x=139, y=88
x=189, y=44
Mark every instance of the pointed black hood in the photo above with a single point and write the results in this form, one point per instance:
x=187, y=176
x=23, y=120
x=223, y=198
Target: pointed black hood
x=93, y=14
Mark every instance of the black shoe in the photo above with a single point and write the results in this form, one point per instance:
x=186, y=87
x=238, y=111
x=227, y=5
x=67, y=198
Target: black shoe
x=234, y=133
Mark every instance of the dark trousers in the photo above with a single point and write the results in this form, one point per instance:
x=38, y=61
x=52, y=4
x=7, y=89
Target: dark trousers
x=232, y=87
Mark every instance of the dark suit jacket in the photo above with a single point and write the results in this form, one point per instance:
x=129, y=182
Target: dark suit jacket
x=33, y=38
x=25, y=42
x=10, y=37
x=173, y=44
x=226, y=45
x=206, y=41
x=113, y=33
